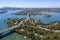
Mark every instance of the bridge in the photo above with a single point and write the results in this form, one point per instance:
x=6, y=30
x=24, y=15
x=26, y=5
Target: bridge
x=11, y=27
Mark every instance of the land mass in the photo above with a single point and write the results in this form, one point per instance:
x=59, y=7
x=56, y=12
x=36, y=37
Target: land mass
x=35, y=29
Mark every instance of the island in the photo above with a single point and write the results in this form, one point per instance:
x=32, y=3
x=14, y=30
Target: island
x=32, y=12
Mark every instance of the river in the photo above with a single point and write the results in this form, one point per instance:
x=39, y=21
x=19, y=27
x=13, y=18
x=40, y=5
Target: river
x=4, y=16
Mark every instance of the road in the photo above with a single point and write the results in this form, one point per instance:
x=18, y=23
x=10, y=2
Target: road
x=48, y=29
x=12, y=27
x=21, y=22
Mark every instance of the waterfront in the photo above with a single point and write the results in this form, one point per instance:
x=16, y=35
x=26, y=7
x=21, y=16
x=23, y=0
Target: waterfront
x=54, y=17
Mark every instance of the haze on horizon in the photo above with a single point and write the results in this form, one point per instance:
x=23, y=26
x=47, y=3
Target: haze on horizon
x=30, y=3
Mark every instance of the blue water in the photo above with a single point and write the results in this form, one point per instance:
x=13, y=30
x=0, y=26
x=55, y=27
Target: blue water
x=4, y=16
x=54, y=17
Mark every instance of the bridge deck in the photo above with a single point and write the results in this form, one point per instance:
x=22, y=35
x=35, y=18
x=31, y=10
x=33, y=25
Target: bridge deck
x=11, y=27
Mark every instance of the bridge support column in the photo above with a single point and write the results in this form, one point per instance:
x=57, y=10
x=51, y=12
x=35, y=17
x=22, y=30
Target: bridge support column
x=0, y=35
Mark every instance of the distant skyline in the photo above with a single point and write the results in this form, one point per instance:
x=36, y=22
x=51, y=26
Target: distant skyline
x=30, y=3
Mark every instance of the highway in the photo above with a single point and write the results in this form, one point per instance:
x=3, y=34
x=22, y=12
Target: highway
x=12, y=27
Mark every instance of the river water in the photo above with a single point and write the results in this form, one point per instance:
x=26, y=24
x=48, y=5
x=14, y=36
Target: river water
x=4, y=16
